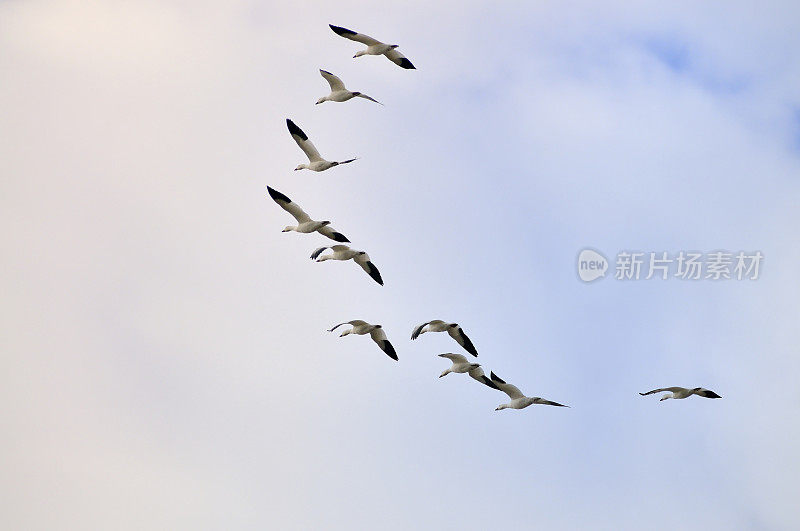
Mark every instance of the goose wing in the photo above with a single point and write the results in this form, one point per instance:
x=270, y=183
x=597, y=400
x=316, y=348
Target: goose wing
x=670, y=389
x=369, y=267
x=329, y=232
x=288, y=205
x=399, y=59
x=418, y=330
x=333, y=248
x=354, y=35
x=379, y=337
x=537, y=400
x=318, y=252
x=354, y=322
x=302, y=140
x=335, y=83
x=512, y=391
x=477, y=374
x=362, y=95
x=455, y=358
x=458, y=334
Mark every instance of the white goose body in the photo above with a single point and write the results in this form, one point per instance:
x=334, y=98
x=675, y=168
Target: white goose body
x=376, y=332
x=343, y=252
x=307, y=227
x=453, y=330
x=315, y=160
x=462, y=365
x=305, y=224
x=374, y=47
x=339, y=92
x=679, y=393
x=518, y=400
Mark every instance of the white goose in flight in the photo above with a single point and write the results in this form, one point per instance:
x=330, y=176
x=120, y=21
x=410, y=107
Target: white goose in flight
x=518, y=400
x=374, y=47
x=452, y=329
x=462, y=365
x=343, y=252
x=338, y=90
x=375, y=332
x=316, y=162
x=305, y=224
x=682, y=392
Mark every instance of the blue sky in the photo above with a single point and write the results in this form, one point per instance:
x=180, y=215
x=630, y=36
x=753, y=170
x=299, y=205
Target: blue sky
x=167, y=359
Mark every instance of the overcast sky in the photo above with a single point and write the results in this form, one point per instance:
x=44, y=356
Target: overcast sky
x=166, y=357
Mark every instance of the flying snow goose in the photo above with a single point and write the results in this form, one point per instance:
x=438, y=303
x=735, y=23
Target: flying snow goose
x=316, y=162
x=462, y=365
x=343, y=252
x=376, y=332
x=682, y=392
x=518, y=400
x=338, y=90
x=374, y=47
x=455, y=331
x=304, y=223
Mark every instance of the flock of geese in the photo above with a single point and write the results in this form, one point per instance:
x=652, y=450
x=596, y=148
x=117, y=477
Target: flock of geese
x=305, y=224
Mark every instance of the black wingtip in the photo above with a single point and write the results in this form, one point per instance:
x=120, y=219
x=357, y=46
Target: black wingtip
x=389, y=350
x=341, y=31
x=317, y=252
x=374, y=273
x=405, y=63
x=643, y=394
x=496, y=378
x=490, y=383
x=339, y=237
x=468, y=346
x=293, y=129
x=325, y=72
x=277, y=196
